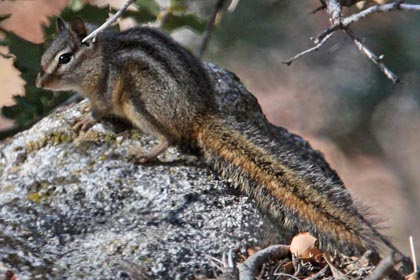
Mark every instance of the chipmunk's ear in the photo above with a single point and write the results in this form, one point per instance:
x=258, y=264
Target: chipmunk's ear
x=78, y=26
x=61, y=25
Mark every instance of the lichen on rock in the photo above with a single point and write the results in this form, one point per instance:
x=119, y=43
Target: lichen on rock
x=74, y=207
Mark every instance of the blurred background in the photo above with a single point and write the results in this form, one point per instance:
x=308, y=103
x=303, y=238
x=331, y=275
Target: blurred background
x=367, y=127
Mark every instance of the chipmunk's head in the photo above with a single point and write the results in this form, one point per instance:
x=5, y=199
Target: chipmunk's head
x=67, y=52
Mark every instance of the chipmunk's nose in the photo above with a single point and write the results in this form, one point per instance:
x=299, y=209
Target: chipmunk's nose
x=39, y=82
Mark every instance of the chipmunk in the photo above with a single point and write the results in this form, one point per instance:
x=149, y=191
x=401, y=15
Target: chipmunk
x=145, y=77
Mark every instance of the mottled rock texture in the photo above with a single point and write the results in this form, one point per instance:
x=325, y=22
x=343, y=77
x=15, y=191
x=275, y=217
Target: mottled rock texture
x=74, y=207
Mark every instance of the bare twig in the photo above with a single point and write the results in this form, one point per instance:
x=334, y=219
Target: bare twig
x=383, y=8
x=232, y=6
x=385, y=266
x=397, y=5
x=413, y=254
x=325, y=33
x=334, y=10
x=314, y=11
x=164, y=16
x=209, y=28
x=107, y=23
x=335, y=271
x=226, y=266
x=320, y=273
x=248, y=268
x=315, y=48
x=338, y=22
x=373, y=57
x=288, y=276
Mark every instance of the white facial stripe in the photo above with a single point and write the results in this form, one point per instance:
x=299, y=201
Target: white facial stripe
x=50, y=69
x=77, y=54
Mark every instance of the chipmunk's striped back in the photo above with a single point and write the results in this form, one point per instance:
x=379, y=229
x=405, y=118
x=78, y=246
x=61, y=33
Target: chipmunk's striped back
x=144, y=76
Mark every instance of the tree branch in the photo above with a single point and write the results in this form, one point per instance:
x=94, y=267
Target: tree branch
x=248, y=268
x=334, y=10
x=413, y=254
x=315, y=48
x=338, y=22
x=397, y=5
x=383, y=8
x=373, y=57
x=209, y=28
x=385, y=267
x=107, y=23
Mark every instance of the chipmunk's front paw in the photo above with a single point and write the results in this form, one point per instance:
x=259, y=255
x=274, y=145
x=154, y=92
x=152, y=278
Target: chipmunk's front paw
x=138, y=155
x=86, y=107
x=83, y=123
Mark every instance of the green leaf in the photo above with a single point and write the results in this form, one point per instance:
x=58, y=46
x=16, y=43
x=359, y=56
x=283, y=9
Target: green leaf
x=88, y=13
x=178, y=6
x=148, y=6
x=76, y=5
x=28, y=56
x=24, y=118
x=11, y=112
x=26, y=104
x=141, y=16
x=173, y=22
x=4, y=42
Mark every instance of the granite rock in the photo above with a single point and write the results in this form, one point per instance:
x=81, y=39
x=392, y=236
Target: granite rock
x=73, y=206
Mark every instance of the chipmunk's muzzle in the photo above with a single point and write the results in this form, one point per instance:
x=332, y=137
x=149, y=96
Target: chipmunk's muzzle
x=46, y=81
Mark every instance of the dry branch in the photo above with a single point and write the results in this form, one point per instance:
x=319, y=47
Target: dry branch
x=248, y=268
x=315, y=48
x=107, y=23
x=397, y=5
x=210, y=26
x=334, y=10
x=373, y=57
x=349, y=20
x=385, y=267
x=413, y=254
x=338, y=22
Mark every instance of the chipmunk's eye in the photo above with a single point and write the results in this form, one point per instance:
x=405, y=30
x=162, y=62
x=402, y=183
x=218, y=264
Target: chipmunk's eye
x=64, y=58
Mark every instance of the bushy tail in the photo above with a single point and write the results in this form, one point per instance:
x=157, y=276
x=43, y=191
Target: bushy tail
x=289, y=181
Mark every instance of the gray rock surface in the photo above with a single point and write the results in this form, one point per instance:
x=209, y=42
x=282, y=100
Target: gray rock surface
x=74, y=207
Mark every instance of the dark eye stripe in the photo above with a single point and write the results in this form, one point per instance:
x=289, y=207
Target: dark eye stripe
x=65, y=58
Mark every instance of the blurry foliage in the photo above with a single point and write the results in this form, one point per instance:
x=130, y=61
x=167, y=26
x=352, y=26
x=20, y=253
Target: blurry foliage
x=174, y=21
x=265, y=33
x=36, y=103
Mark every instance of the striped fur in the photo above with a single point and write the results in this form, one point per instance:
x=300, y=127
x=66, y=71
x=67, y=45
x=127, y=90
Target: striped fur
x=146, y=77
x=296, y=202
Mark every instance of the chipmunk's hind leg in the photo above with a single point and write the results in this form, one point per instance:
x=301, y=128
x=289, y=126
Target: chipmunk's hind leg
x=143, y=121
x=140, y=155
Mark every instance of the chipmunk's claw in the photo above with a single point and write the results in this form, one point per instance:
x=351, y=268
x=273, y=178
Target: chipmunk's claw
x=83, y=123
x=139, y=155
